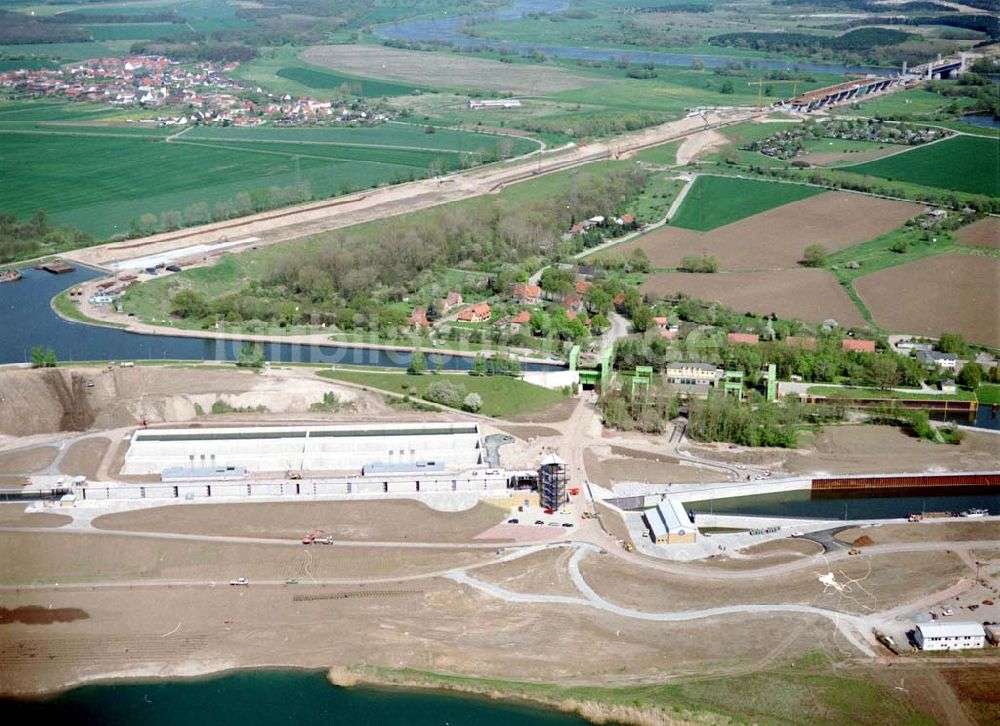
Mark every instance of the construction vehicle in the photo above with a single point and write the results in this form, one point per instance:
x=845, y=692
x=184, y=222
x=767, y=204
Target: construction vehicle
x=887, y=641
x=311, y=537
x=628, y=546
x=290, y=474
x=853, y=551
x=760, y=89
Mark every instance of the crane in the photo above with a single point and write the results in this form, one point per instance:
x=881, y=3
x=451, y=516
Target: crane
x=760, y=89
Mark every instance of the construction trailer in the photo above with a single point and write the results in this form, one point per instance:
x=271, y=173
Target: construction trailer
x=552, y=480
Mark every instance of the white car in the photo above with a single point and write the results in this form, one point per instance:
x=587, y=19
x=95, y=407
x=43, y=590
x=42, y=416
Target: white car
x=797, y=533
x=947, y=611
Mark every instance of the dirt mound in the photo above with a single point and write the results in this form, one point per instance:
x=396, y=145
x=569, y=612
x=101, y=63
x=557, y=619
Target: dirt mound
x=863, y=541
x=43, y=401
x=37, y=615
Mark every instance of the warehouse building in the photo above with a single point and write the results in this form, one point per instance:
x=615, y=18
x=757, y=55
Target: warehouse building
x=950, y=636
x=332, y=448
x=669, y=523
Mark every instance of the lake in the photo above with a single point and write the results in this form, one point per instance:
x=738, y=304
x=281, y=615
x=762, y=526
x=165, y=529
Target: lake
x=269, y=698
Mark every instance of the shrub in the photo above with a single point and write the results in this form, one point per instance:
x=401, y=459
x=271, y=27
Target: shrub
x=814, y=256
x=445, y=393
x=473, y=402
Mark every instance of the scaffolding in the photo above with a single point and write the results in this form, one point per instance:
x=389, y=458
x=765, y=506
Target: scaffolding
x=552, y=480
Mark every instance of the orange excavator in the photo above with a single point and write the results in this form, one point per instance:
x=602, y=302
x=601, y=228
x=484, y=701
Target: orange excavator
x=311, y=537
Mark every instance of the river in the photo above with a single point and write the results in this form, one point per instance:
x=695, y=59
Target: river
x=27, y=320
x=835, y=505
x=448, y=30
x=266, y=698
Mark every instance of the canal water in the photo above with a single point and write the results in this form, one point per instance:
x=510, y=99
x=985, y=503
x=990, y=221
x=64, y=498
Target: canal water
x=271, y=698
x=840, y=505
x=983, y=120
x=27, y=320
x=448, y=30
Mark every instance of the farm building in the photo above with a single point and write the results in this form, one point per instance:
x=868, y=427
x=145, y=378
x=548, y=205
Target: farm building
x=937, y=359
x=478, y=313
x=669, y=523
x=337, y=447
x=950, y=636
x=857, y=346
x=742, y=339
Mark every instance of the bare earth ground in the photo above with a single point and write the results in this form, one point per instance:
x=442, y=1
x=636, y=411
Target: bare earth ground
x=457, y=70
x=66, y=557
x=385, y=521
x=808, y=295
x=47, y=401
x=885, y=580
x=84, y=457
x=553, y=414
x=830, y=158
x=543, y=572
x=871, y=450
x=963, y=288
x=950, y=531
x=984, y=233
x=627, y=469
x=28, y=461
x=776, y=238
x=181, y=630
x=698, y=145
x=13, y=515
x=775, y=552
x=9, y=482
x=529, y=432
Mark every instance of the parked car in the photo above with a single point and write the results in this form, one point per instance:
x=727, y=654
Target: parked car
x=538, y=521
x=513, y=521
x=242, y=581
x=567, y=524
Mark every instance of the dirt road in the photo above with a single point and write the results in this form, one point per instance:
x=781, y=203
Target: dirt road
x=281, y=225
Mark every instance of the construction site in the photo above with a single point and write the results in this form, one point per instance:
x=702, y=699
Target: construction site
x=189, y=542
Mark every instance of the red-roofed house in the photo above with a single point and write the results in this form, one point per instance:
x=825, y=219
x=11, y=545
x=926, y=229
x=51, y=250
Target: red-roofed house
x=858, y=346
x=418, y=318
x=573, y=302
x=582, y=286
x=519, y=320
x=665, y=329
x=478, y=313
x=453, y=300
x=742, y=339
x=527, y=294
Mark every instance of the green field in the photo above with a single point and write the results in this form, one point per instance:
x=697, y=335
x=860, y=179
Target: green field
x=502, y=395
x=328, y=81
x=101, y=178
x=963, y=163
x=714, y=201
x=136, y=31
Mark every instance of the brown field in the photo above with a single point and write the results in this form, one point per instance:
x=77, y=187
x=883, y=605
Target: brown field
x=947, y=531
x=984, y=233
x=553, y=414
x=13, y=515
x=458, y=70
x=539, y=573
x=766, y=554
x=955, y=293
x=831, y=158
x=65, y=557
x=27, y=461
x=385, y=521
x=776, y=238
x=893, y=579
x=439, y=627
x=809, y=295
x=628, y=469
x=84, y=457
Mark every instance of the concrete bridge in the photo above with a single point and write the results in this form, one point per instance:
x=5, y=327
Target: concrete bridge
x=943, y=67
x=843, y=92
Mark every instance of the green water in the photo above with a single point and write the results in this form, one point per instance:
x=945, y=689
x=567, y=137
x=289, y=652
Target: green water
x=249, y=698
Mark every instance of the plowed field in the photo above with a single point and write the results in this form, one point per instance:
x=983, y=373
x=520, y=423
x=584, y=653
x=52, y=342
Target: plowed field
x=809, y=295
x=777, y=238
x=984, y=233
x=950, y=293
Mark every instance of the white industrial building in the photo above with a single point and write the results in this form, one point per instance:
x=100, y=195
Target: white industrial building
x=334, y=448
x=669, y=523
x=950, y=636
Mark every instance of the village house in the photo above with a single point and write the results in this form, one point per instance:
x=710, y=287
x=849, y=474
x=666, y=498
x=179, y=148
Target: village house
x=519, y=321
x=452, y=300
x=937, y=359
x=665, y=329
x=527, y=294
x=857, y=346
x=478, y=313
x=418, y=318
x=742, y=339
x=573, y=302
